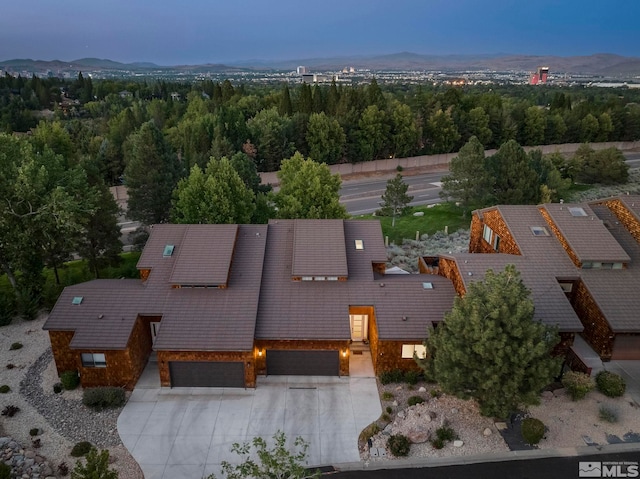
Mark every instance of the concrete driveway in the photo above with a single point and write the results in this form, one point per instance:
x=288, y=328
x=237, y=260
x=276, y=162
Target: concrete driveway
x=187, y=432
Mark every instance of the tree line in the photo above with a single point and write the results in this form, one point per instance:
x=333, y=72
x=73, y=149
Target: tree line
x=328, y=123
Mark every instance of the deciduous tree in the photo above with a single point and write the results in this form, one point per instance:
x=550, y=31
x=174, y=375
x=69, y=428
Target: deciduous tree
x=325, y=139
x=395, y=199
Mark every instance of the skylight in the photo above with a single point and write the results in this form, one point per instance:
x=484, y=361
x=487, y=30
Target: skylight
x=577, y=211
x=168, y=250
x=359, y=244
x=76, y=300
x=539, y=231
x=427, y=285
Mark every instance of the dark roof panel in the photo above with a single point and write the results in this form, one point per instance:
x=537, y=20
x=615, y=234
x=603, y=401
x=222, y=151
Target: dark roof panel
x=318, y=248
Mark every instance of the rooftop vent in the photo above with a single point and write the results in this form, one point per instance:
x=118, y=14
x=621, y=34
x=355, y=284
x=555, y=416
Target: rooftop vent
x=577, y=211
x=168, y=250
x=359, y=244
x=77, y=300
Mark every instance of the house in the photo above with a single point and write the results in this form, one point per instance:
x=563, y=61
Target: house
x=221, y=304
x=580, y=261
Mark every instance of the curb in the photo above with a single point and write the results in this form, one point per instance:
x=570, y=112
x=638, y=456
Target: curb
x=484, y=458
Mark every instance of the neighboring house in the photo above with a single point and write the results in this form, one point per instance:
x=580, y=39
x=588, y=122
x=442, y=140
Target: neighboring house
x=580, y=261
x=220, y=304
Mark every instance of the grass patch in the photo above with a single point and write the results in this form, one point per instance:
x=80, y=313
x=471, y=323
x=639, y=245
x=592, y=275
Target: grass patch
x=435, y=219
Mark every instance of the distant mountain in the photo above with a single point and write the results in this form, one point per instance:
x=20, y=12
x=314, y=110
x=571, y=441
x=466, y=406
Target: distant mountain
x=604, y=64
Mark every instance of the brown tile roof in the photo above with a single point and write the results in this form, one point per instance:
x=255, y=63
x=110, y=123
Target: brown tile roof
x=204, y=255
x=587, y=236
x=318, y=248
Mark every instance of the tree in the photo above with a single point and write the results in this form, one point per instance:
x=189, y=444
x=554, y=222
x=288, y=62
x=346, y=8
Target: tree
x=373, y=133
x=553, y=187
x=478, y=125
x=308, y=190
x=589, y=128
x=325, y=139
x=468, y=181
x=216, y=196
x=277, y=462
x=405, y=134
x=285, y=107
x=534, y=126
x=490, y=347
x=607, y=166
x=269, y=132
x=395, y=199
x=151, y=174
x=515, y=182
x=96, y=466
x=442, y=133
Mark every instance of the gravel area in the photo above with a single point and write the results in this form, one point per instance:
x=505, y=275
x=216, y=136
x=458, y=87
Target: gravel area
x=30, y=373
x=569, y=423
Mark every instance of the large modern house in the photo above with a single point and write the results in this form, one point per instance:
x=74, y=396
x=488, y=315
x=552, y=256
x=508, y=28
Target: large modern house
x=580, y=261
x=221, y=304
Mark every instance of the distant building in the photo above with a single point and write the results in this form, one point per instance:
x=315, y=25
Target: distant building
x=301, y=70
x=540, y=76
x=318, y=78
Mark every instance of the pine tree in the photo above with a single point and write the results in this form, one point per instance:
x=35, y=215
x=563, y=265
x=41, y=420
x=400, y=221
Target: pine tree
x=490, y=347
x=395, y=199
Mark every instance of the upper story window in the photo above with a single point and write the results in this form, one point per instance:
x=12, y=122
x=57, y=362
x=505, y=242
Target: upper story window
x=491, y=237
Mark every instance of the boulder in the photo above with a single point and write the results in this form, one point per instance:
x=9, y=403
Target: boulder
x=418, y=435
x=487, y=432
x=419, y=213
x=458, y=443
x=401, y=414
x=422, y=389
x=547, y=395
x=394, y=403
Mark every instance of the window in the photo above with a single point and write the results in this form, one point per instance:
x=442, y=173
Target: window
x=496, y=242
x=539, y=231
x=168, y=250
x=332, y=278
x=566, y=286
x=319, y=278
x=359, y=244
x=577, y=211
x=487, y=233
x=94, y=360
x=307, y=278
x=409, y=349
x=617, y=266
x=77, y=300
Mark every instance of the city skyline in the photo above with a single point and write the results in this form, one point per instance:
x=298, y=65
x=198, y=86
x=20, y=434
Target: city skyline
x=166, y=33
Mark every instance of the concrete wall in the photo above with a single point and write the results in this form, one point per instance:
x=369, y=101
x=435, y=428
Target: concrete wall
x=442, y=161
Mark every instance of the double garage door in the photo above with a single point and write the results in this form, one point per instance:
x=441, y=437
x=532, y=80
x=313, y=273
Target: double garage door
x=207, y=374
x=303, y=362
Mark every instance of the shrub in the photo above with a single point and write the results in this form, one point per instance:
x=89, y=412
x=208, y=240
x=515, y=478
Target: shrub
x=57, y=388
x=437, y=443
x=577, y=384
x=4, y=389
x=435, y=393
x=96, y=466
x=103, y=397
x=385, y=417
x=387, y=396
x=393, y=376
x=610, y=384
x=10, y=410
x=413, y=400
x=368, y=432
x=412, y=377
x=399, y=445
x=445, y=434
x=389, y=409
x=81, y=448
x=36, y=443
x=34, y=431
x=7, y=309
x=69, y=380
x=608, y=413
x=63, y=469
x=15, y=346
x=532, y=430
x=11, y=366
x=5, y=471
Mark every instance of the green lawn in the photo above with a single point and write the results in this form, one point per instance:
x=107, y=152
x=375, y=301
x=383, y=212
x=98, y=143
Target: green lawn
x=435, y=219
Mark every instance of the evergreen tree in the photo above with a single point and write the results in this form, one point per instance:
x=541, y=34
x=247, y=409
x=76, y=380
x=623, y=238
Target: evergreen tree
x=151, y=174
x=490, y=348
x=395, y=199
x=285, y=107
x=325, y=139
x=515, y=182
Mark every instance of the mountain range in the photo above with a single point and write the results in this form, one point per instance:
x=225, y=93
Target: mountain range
x=604, y=64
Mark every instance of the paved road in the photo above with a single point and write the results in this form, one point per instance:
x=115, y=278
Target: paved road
x=363, y=196
x=548, y=468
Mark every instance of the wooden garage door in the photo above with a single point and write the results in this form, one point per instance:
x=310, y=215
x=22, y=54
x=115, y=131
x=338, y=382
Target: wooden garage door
x=303, y=363
x=208, y=374
x=626, y=347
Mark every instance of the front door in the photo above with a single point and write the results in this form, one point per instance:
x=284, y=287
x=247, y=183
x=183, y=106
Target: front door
x=155, y=327
x=358, y=326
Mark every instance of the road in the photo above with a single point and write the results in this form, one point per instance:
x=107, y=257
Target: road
x=363, y=196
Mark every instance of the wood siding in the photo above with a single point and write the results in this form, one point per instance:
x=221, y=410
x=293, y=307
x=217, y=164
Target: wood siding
x=563, y=241
x=389, y=357
x=626, y=217
x=597, y=331
x=493, y=219
x=247, y=357
x=449, y=269
x=266, y=344
x=562, y=348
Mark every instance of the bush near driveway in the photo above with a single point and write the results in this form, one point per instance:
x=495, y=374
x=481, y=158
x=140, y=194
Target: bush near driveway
x=610, y=384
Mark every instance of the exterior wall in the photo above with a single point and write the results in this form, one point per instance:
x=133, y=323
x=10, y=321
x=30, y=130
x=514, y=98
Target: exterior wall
x=563, y=347
x=597, y=331
x=124, y=367
x=389, y=357
x=374, y=340
x=493, y=219
x=449, y=269
x=164, y=357
x=626, y=217
x=265, y=344
x=560, y=237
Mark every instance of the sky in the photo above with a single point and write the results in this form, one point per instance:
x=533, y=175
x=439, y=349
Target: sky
x=168, y=32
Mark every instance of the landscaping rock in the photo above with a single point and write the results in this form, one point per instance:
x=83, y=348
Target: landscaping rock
x=401, y=414
x=458, y=443
x=547, y=395
x=487, y=432
x=394, y=403
x=422, y=389
x=418, y=435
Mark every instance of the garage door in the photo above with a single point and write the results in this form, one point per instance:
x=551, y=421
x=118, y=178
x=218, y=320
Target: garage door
x=206, y=374
x=303, y=363
x=626, y=347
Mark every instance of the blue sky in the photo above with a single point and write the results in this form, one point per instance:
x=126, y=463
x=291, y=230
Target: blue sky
x=168, y=32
